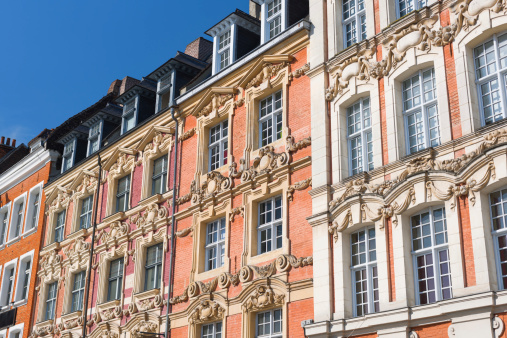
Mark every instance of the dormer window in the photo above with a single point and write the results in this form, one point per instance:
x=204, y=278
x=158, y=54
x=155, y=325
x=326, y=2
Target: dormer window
x=274, y=18
x=164, y=93
x=224, y=50
x=129, y=115
x=68, y=155
x=94, y=138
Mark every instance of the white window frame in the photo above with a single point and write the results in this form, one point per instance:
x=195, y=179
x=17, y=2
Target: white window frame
x=32, y=220
x=355, y=21
x=265, y=25
x=215, y=331
x=163, y=175
x=272, y=316
x=226, y=48
x=273, y=116
x=132, y=111
x=498, y=233
x=96, y=137
x=126, y=193
x=16, y=329
x=4, y=287
x=19, y=202
x=434, y=250
x=217, y=245
x=270, y=225
x=3, y=333
x=68, y=155
x=164, y=86
x=62, y=226
x=22, y=275
x=369, y=266
x=47, y=300
x=423, y=107
x=118, y=279
x=88, y=214
x=157, y=266
x=500, y=75
x=418, y=4
x=5, y=213
x=362, y=134
x=79, y=291
x=222, y=143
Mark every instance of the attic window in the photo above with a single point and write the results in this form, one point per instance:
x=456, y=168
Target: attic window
x=274, y=18
x=164, y=92
x=94, y=138
x=224, y=50
x=129, y=115
x=68, y=155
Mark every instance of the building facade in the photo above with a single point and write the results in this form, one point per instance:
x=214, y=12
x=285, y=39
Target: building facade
x=23, y=172
x=409, y=168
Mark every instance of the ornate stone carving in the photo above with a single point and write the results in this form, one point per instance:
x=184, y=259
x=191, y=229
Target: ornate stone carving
x=292, y=147
x=217, y=101
x=185, y=232
x=233, y=172
x=227, y=279
x=207, y=311
x=239, y=103
x=302, y=185
x=143, y=326
x=413, y=334
x=337, y=227
x=61, y=201
x=152, y=214
x=185, y=198
x=112, y=313
x=88, y=183
x=267, y=161
x=73, y=323
x=75, y=251
x=117, y=230
x=498, y=326
x=215, y=183
x=299, y=72
x=263, y=297
x=389, y=210
x=237, y=211
x=186, y=135
x=463, y=189
x=50, y=260
x=149, y=304
x=285, y=263
x=43, y=330
x=160, y=143
x=181, y=298
x=268, y=71
x=125, y=163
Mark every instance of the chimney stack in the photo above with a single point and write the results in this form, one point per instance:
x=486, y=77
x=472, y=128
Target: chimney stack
x=8, y=143
x=5, y=145
x=13, y=143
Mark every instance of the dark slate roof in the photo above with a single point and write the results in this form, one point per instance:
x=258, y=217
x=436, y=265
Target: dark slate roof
x=242, y=15
x=13, y=157
x=42, y=135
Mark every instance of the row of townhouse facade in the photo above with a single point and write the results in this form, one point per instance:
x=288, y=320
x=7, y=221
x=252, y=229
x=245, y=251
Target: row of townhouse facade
x=321, y=168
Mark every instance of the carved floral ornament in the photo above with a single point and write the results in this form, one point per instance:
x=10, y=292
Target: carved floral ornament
x=152, y=215
x=116, y=231
x=302, y=185
x=207, y=311
x=239, y=211
x=77, y=251
x=143, y=326
x=61, y=201
x=122, y=162
x=87, y=184
x=420, y=34
x=263, y=297
x=161, y=142
x=247, y=273
x=266, y=162
x=186, y=135
x=421, y=164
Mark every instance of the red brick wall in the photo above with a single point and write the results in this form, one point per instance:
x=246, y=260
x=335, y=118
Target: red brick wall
x=466, y=241
x=433, y=330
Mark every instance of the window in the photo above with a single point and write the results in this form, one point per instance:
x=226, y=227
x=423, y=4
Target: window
x=218, y=145
x=269, y=324
x=213, y=330
x=359, y=133
x=364, y=272
x=159, y=178
x=9, y=274
x=129, y=115
x=498, y=207
x=164, y=92
x=16, y=331
x=94, y=138
x=23, y=280
x=407, y=6
x=431, y=256
x=153, y=267
x=18, y=227
x=26, y=280
x=51, y=301
x=270, y=119
x=420, y=111
x=33, y=210
x=78, y=291
x=115, y=280
x=122, y=194
x=270, y=225
x=274, y=18
x=85, y=219
x=354, y=21
x=224, y=50
x=4, y=225
x=490, y=75
x=68, y=156
x=215, y=244
x=60, y=226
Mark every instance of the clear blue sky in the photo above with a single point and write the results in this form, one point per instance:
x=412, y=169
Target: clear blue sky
x=58, y=57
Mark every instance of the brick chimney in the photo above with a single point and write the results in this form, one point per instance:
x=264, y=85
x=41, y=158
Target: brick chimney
x=200, y=49
x=254, y=10
x=114, y=87
x=6, y=146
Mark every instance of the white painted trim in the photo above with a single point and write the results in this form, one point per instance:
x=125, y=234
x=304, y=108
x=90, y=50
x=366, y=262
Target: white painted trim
x=6, y=209
x=14, y=216
x=17, y=291
x=13, y=263
x=29, y=207
x=16, y=328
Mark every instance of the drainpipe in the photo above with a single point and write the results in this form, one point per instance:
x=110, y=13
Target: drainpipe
x=94, y=225
x=173, y=218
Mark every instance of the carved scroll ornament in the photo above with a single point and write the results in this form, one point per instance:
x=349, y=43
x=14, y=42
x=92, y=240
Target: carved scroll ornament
x=292, y=146
x=152, y=214
x=263, y=297
x=143, y=326
x=302, y=185
x=186, y=135
x=217, y=101
x=266, y=162
x=161, y=142
x=389, y=210
x=239, y=211
x=268, y=71
x=215, y=183
x=207, y=311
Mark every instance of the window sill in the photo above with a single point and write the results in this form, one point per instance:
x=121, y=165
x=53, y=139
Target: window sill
x=71, y=315
x=140, y=296
x=108, y=305
x=114, y=217
x=266, y=257
x=213, y=273
x=20, y=303
x=29, y=232
x=14, y=240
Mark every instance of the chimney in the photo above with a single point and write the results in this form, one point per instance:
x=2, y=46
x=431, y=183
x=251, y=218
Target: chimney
x=2, y=140
x=8, y=141
x=114, y=87
x=14, y=143
x=200, y=49
x=5, y=146
x=254, y=10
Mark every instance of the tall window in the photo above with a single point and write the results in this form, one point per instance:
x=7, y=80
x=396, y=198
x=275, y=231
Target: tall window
x=224, y=50
x=129, y=115
x=153, y=267
x=4, y=225
x=269, y=230
x=213, y=330
x=10, y=285
x=35, y=210
x=270, y=119
x=498, y=205
x=490, y=78
x=85, y=219
x=431, y=256
x=26, y=280
x=159, y=178
x=164, y=92
x=354, y=21
x=274, y=18
x=364, y=272
x=215, y=244
x=60, y=225
x=407, y=6
x=420, y=111
x=94, y=138
x=218, y=145
x=269, y=324
x=51, y=301
x=19, y=220
x=115, y=279
x=78, y=291
x=68, y=156
x=123, y=193
x=360, y=141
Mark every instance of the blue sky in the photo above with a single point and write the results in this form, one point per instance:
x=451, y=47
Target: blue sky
x=58, y=57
